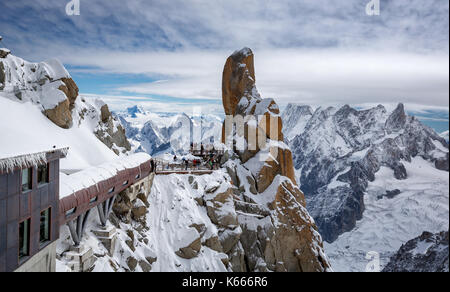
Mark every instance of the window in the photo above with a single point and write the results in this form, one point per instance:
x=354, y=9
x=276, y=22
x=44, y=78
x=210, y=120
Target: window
x=111, y=190
x=125, y=183
x=44, y=231
x=24, y=239
x=43, y=174
x=93, y=200
x=138, y=176
x=26, y=179
x=71, y=212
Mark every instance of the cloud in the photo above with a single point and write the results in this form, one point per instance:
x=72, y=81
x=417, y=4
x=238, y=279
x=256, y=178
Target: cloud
x=316, y=52
x=120, y=103
x=327, y=76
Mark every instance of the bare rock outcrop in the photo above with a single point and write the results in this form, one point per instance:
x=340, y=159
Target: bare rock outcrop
x=426, y=253
x=2, y=76
x=111, y=132
x=277, y=234
x=190, y=251
x=4, y=53
x=60, y=115
x=70, y=89
x=238, y=79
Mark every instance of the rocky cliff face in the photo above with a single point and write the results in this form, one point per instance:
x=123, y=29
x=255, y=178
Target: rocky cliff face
x=275, y=231
x=111, y=132
x=340, y=150
x=427, y=253
x=49, y=86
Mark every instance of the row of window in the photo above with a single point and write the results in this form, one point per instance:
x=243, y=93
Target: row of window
x=24, y=233
x=42, y=177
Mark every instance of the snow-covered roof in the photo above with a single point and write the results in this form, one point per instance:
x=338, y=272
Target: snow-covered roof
x=8, y=164
x=70, y=184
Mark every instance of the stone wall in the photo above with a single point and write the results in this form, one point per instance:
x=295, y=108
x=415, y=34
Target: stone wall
x=44, y=261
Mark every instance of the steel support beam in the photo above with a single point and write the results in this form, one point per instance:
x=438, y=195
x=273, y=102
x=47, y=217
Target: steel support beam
x=104, y=209
x=78, y=228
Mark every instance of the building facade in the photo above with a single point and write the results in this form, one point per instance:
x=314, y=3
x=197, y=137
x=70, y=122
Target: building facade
x=29, y=208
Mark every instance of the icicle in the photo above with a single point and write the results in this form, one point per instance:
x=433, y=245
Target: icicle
x=27, y=160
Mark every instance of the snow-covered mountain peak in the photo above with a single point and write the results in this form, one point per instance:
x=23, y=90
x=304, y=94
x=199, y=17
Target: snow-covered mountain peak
x=132, y=111
x=154, y=133
x=396, y=120
x=340, y=150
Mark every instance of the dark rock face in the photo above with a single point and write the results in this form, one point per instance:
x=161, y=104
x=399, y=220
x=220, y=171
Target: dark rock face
x=442, y=163
x=397, y=119
x=2, y=76
x=340, y=151
x=427, y=253
x=390, y=194
x=4, y=53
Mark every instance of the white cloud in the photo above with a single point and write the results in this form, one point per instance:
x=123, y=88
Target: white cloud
x=120, y=103
x=315, y=52
x=327, y=76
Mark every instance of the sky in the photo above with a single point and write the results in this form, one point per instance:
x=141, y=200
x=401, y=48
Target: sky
x=168, y=56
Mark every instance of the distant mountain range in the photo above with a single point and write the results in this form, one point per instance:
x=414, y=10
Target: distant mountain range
x=158, y=134
x=354, y=163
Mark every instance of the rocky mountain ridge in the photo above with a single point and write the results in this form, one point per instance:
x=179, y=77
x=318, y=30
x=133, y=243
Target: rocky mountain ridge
x=340, y=150
x=426, y=253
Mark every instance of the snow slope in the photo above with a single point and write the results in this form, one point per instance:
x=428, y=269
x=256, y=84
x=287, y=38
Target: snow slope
x=173, y=210
x=28, y=90
x=423, y=204
x=24, y=129
x=168, y=227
